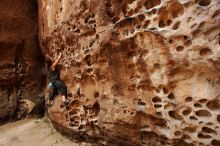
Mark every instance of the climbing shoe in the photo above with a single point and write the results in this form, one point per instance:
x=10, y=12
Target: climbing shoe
x=66, y=102
x=50, y=103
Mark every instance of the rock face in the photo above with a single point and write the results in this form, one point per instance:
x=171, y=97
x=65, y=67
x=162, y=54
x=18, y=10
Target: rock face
x=139, y=72
x=21, y=78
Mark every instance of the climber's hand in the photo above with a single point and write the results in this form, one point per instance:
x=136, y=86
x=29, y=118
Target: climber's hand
x=60, y=54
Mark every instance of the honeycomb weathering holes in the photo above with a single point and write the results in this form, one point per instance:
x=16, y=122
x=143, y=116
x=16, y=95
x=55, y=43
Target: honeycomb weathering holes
x=171, y=96
x=165, y=32
x=203, y=113
x=193, y=118
x=165, y=90
x=204, y=2
x=156, y=99
x=208, y=130
x=197, y=105
x=191, y=129
x=171, y=41
x=218, y=118
x=161, y=24
x=187, y=111
x=141, y=102
x=203, y=136
x=175, y=115
x=202, y=101
x=176, y=25
x=179, y=48
x=169, y=22
x=157, y=106
x=205, y=51
x=216, y=142
x=72, y=112
x=188, y=99
x=214, y=104
x=185, y=37
x=151, y=3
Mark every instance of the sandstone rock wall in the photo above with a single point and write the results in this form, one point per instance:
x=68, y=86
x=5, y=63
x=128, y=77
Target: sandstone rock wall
x=21, y=79
x=139, y=72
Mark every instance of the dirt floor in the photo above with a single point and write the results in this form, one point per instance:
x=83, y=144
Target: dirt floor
x=33, y=132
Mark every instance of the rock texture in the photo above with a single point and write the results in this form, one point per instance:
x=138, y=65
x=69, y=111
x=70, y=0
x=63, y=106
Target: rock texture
x=139, y=72
x=21, y=78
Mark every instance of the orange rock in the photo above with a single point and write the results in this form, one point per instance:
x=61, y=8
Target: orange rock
x=148, y=70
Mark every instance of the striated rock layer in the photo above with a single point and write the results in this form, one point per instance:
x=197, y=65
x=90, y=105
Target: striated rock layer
x=21, y=77
x=139, y=72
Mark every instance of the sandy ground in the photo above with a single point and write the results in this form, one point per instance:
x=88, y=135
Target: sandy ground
x=33, y=132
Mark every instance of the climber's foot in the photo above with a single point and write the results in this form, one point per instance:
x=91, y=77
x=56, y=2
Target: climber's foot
x=50, y=103
x=66, y=102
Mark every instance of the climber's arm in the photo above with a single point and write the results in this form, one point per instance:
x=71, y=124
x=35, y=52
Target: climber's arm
x=56, y=62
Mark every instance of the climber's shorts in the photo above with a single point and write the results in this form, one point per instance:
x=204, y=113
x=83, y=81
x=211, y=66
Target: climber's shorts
x=57, y=86
x=61, y=87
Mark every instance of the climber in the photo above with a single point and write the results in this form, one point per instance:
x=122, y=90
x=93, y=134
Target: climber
x=55, y=84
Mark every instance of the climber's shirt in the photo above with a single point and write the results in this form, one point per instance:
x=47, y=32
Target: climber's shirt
x=54, y=75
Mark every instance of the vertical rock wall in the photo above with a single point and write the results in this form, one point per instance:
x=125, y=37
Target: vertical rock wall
x=139, y=72
x=21, y=64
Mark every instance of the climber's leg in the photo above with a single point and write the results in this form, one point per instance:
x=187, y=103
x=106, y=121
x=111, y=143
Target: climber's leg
x=52, y=95
x=63, y=89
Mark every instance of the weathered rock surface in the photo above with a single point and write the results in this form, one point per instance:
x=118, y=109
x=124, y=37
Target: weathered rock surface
x=21, y=78
x=148, y=71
